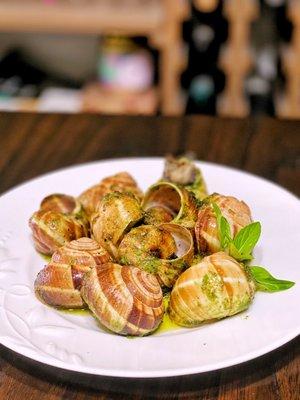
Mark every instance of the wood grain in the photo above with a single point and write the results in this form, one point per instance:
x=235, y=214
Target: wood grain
x=32, y=144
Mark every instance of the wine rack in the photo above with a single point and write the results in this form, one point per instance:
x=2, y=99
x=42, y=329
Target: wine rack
x=288, y=106
x=235, y=58
x=161, y=22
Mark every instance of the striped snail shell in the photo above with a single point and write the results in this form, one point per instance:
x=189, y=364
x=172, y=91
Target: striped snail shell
x=164, y=250
x=116, y=213
x=235, y=211
x=51, y=230
x=216, y=287
x=124, y=299
x=60, y=203
x=59, y=283
x=167, y=202
x=121, y=182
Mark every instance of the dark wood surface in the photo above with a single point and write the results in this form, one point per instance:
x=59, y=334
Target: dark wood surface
x=32, y=144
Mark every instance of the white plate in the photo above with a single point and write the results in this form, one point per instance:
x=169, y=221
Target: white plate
x=75, y=342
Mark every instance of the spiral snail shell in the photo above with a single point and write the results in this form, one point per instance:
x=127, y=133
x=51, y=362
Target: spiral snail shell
x=167, y=202
x=116, y=213
x=164, y=250
x=124, y=299
x=51, y=230
x=235, y=211
x=121, y=182
x=59, y=283
x=216, y=287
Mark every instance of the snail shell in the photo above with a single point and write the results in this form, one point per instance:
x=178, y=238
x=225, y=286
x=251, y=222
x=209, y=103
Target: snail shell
x=124, y=299
x=216, y=287
x=164, y=250
x=121, y=182
x=116, y=213
x=235, y=211
x=178, y=204
x=59, y=283
x=182, y=171
x=51, y=230
x=60, y=203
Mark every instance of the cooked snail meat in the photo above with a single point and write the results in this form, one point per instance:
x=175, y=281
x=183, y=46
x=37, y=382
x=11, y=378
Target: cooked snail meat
x=164, y=250
x=216, y=287
x=183, y=171
x=158, y=215
x=145, y=245
x=124, y=299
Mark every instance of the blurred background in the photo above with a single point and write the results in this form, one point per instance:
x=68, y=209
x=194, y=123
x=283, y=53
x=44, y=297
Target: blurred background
x=171, y=57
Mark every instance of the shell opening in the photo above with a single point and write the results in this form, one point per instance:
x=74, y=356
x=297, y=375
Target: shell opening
x=164, y=196
x=182, y=238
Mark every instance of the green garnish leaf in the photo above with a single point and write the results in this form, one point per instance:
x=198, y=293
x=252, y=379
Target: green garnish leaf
x=241, y=248
x=244, y=242
x=265, y=282
x=246, y=239
x=235, y=253
x=226, y=235
x=223, y=227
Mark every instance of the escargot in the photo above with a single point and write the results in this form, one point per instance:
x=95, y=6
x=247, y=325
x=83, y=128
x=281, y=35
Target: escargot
x=58, y=284
x=52, y=229
x=216, y=287
x=182, y=171
x=124, y=299
x=116, y=213
x=164, y=250
x=235, y=211
x=167, y=202
x=121, y=182
x=60, y=203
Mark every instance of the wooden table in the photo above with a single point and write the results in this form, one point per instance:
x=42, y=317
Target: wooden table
x=32, y=144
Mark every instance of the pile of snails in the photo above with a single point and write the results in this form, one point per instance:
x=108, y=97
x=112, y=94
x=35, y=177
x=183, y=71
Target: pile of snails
x=117, y=252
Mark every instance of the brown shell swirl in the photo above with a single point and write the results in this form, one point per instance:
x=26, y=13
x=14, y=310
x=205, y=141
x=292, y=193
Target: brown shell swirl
x=121, y=182
x=59, y=283
x=235, y=211
x=216, y=287
x=51, y=230
x=124, y=299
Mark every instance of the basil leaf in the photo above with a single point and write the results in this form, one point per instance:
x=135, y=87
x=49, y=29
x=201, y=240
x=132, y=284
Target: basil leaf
x=217, y=211
x=235, y=253
x=223, y=227
x=246, y=239
x=266, y=282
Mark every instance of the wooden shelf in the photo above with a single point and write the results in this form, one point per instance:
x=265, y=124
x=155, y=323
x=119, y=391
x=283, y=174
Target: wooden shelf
x=158, y=20
x=88, y=18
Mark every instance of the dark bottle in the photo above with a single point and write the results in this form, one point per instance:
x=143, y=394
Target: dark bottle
x=202, y=95
x=206, y=32
x=260, y=94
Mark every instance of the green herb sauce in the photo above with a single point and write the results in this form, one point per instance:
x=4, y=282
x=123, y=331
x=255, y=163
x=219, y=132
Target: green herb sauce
x=167, y=324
